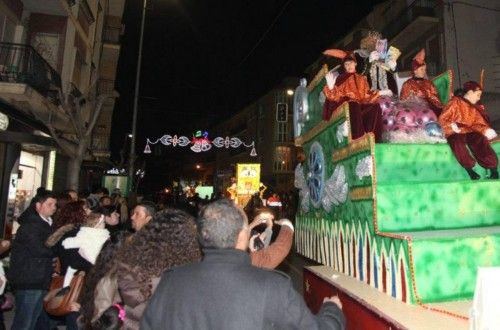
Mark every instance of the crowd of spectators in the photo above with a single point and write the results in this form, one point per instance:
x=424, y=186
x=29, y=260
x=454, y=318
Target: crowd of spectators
x=202, y=258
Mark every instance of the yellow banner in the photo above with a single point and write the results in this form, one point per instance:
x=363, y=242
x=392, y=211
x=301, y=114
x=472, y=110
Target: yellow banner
x=248, y=178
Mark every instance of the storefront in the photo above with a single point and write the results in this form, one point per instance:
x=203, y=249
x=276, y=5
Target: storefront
x=27, y=162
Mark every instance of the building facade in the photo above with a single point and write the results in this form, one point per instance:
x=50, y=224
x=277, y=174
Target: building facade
x=268, y=122
x=457, y=35
x=47, y=48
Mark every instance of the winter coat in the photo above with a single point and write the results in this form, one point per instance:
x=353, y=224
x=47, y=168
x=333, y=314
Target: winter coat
x=88, y=241
x=133, y=299
x=225, y=291
x=31, y=261
x=106, y=295
x=67, y=257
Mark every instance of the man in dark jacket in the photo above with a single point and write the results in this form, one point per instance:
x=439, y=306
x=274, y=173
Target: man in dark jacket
x=225, y=291
x=31, y=261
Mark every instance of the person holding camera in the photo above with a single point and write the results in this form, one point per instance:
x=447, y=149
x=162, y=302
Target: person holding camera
x=225, y=291
x=263, y=252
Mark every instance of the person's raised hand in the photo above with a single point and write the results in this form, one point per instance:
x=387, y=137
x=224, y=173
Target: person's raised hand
x=251, y=243
x=330, y=80
x=490, y=134
x=264, y=217
x=74, y=307
x=454, y=128
x=374, y=56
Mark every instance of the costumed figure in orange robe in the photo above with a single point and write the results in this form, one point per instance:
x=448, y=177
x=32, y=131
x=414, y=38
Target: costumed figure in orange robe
x=364, y=111
x=421, y=87
x=413, y=119
x=466, y=124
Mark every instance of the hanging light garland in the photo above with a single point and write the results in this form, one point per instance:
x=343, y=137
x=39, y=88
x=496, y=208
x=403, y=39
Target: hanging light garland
x=200, y=142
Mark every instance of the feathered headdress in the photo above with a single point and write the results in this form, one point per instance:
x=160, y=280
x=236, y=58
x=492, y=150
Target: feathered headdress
x=342, y=54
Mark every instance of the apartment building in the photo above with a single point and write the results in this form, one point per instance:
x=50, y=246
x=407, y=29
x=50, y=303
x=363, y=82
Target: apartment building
x=268, y=122
x=457, y=35
x=48, y=47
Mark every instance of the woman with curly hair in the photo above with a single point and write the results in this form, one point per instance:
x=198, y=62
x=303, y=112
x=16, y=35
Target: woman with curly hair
x=67, y=224
x=169, y=240
x=71, y=213
x=101, y=289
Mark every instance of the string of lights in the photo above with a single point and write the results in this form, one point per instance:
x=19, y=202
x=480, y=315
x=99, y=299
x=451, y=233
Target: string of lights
x=200, y=142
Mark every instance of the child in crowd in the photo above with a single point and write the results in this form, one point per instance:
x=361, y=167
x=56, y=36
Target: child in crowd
x=111, y=319
x=89, y=241
x=90, y=237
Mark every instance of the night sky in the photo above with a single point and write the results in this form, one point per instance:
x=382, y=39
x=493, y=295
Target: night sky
x=205, y=60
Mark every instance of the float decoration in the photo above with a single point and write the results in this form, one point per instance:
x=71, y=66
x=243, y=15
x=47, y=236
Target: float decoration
x=300, y=183
x=336, y=189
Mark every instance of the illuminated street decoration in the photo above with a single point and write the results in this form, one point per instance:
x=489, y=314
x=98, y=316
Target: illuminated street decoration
x=200, y=142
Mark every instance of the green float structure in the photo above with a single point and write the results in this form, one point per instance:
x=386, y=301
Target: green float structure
x=403, y=218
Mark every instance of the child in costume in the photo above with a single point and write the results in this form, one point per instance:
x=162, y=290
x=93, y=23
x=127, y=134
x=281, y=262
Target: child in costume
x=364, y=111
x=421, y=87
x=465, y=124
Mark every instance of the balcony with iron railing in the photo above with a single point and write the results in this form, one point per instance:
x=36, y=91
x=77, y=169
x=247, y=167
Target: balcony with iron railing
x=27, y=81
x=415, y=20
x=22, y=64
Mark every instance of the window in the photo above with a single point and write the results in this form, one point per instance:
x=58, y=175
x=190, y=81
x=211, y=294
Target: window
x=283, y=129
x=282, y=159
x=282, y=132
x=7, y=29
x=281, y=112
x=85, y=16
x=433, y=55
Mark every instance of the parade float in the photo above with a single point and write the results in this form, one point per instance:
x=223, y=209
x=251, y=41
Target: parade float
x=399, y=228
x=246, y=183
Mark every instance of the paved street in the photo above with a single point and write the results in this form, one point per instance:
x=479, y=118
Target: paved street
x=293, y=266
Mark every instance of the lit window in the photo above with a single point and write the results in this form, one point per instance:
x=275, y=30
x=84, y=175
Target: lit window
x=282, y=159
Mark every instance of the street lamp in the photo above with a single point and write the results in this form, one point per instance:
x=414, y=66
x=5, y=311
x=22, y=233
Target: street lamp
x=289, y=92
x=136, y=101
